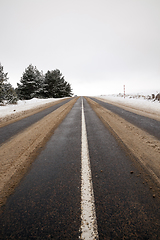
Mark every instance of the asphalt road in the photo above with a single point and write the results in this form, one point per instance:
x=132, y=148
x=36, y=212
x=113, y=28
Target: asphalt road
x=16, y=127
x=149, y=125
x=47, y=203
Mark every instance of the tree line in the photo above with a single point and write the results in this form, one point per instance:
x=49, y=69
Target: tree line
x=34, y=83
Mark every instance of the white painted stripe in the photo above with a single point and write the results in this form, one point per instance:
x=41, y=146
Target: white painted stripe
x=88, y=213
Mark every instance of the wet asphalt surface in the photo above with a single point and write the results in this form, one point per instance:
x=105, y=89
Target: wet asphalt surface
x=125, y=206
x=149, y=125
x=46, y=205
x=16, y=127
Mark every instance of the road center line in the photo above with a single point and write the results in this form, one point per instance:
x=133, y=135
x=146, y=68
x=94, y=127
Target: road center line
x=88, y=213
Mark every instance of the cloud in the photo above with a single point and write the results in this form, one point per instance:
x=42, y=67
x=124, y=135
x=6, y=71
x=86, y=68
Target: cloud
x=98, y=45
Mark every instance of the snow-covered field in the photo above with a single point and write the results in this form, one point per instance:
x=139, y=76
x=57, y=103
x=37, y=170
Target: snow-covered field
x=136, y=102
x=24, y=105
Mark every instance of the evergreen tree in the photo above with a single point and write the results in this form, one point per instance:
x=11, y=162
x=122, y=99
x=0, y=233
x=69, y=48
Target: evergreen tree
x=34, y=84
x=7, y=92
x=31, y=83
x=68, y=90
x=39, y=80
x=55, y=86
x=3, y=79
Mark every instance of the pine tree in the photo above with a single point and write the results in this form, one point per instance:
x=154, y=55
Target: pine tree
x=3, y=79
x=68, y=90
x=7, y=92
x=39, y=84
x=31, y=83
x=55, y=86
x=34, y=84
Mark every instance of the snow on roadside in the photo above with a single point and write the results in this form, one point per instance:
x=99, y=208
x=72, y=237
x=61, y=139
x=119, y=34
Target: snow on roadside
x=140, y=103
x=23, y=105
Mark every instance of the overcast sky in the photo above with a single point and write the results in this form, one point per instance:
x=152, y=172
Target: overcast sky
x=98, y=45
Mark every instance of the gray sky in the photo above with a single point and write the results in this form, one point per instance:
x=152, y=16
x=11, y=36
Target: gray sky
x=98, y=45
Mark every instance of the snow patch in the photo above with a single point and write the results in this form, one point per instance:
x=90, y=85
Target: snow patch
x=23, y=105
x=139, y=102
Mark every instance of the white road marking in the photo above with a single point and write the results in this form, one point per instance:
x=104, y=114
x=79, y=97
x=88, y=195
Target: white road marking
x=89, y=228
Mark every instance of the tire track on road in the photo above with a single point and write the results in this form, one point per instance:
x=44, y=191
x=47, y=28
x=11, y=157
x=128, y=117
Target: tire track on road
x=19, y=152
x=147, y=124
x=46, y=204
x=12, y=127
x=125, y=207
x=142, y=148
